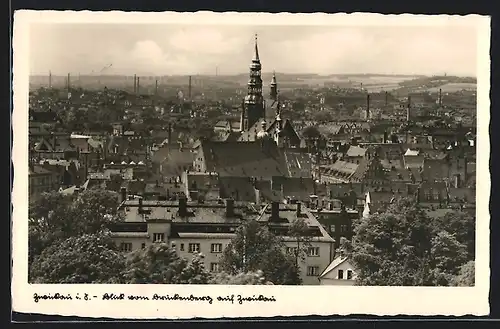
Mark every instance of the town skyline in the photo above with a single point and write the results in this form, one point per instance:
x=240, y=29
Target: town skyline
x=176, y=50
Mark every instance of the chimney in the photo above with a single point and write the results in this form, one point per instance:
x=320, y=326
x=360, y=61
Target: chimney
x=229, y=208
x=140, y=204
x=456, y=181
x=50, y=79
x=466, y=174
x=182, y=206
x=299, y=209
x=189, y=90
x=123, y=194
x=440, y=98
x=156, y=88
x=386, y=98
x=275, y=211
x=137, y=86
x=68, y=82
x=135, y=83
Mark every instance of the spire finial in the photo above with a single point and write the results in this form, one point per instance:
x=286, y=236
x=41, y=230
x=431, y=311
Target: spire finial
x=256, y=55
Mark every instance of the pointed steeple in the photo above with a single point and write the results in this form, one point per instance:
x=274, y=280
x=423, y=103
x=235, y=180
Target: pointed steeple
x=256, y=53
x=273, y=92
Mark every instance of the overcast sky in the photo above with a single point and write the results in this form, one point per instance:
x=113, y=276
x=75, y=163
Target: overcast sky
x=175, y=49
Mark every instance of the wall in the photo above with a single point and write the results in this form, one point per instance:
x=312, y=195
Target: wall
x=321, y=261
x=205, y=248
x=331, y=277
x=135, y=241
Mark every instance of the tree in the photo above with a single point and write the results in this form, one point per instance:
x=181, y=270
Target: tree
x=311, y=132
x=55, y=217
x=392, y=248
x=402, y=246
x=462, y=225
x=160, y=264
x=250, y=278
x=466, y=275
x=298, y=230
x=90, y=258
x=448, y=255
x=255, y=248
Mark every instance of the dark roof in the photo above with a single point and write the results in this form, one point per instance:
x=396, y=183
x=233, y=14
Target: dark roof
x=244, y=159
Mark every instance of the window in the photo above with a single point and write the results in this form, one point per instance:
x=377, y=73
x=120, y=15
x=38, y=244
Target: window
x=291, y=250
x=332, y=228
x=158, y=237
x=313, y=251
x=312, y=270
x=214, y=267
x=126, y=246
x=143, y=245
x=194, y=247
x=343, y=228
x=216, y=247
x=182, y=247
x=349, y=275
x=340, y=274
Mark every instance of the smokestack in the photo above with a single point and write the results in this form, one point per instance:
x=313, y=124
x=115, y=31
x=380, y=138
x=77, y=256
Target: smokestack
x=275, y=211
x=50, y=79
x=299, y=209
x=229, y=208
x=368, y=107
x=169, y=136
x=137, y=87
x=408, y=110
x=69, y=82
x=182, y=206
x=189, y=91
x=156, y=88
x=386, y=98
x=135, y=83
x=440, y=98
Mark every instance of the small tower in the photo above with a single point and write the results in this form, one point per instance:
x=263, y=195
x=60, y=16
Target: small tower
x=273, y=93
x=278, y=136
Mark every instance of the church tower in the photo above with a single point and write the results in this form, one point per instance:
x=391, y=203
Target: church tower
x=254, y=102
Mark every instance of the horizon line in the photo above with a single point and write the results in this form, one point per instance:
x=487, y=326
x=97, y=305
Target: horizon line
x=245, y=73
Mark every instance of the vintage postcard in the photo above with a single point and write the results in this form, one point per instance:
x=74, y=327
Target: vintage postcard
x=209, y=165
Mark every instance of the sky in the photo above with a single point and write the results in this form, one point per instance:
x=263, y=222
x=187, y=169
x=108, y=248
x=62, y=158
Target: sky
x=163, y=49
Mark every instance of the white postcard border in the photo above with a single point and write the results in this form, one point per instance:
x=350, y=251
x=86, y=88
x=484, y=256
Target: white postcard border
x=290, y=301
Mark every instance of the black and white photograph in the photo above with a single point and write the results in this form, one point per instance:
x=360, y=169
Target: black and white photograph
x=251, y=152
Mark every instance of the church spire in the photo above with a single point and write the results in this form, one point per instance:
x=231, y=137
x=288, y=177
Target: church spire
x=256, y=53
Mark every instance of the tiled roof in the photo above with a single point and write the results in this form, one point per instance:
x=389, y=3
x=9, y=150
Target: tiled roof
x=244, y=159
x=356, y=151
x=336, y=262
x=299, y=164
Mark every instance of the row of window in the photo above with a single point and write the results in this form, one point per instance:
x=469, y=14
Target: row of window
x=343, y=228
x=192, y=247
x=311, y=251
